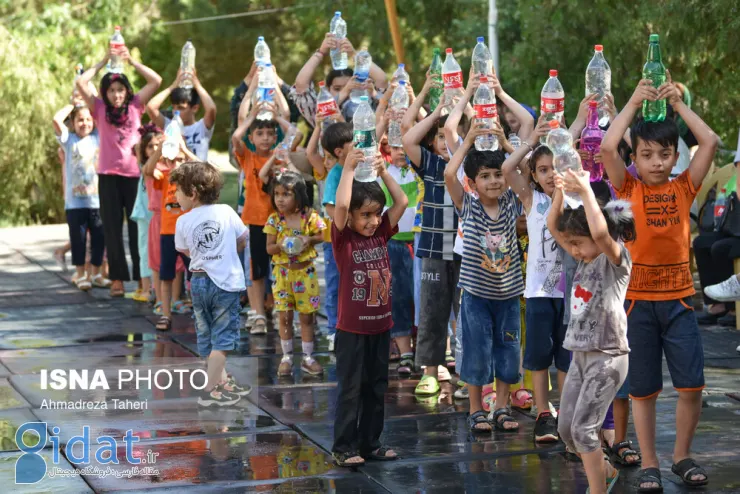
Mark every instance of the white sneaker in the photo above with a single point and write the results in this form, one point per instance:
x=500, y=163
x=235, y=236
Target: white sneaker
x=331, y=341
x=727, y=291
x=443, y=374
x=737, y=349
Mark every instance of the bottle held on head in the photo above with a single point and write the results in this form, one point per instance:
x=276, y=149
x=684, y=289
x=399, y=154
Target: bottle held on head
x=172, y=137
x=338, y=27
x=364, y=139
x=654, y=111
x=400, y=74
x=399, y=103
x=187, y=65
x=599, y=79
x=484, y=104
x=261, y=51
x=564, y=158
x=265, y=89
x=591, y=138
x=363, y=60
x=482, y=61
x=552, y=98
x=117, y=43
x=435, y=69
x=452, y=76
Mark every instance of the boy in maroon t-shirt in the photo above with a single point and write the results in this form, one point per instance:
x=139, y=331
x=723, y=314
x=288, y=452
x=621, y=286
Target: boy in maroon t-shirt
x=359, y=236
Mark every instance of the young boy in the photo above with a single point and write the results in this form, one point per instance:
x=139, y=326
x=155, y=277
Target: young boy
x=360, y=234
x=210, y=235
x=659, y=298
x=491, y=279
x=197, y=134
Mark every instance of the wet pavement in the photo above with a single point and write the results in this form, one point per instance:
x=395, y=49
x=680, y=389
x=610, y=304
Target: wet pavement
x=278, y=439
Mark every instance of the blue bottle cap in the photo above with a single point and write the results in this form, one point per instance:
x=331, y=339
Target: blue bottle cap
x=337, y=14
x=176, y=113
x=401, y=65
x=402, y=82
x=481, y=39
x=363, y=99
x=260, y=38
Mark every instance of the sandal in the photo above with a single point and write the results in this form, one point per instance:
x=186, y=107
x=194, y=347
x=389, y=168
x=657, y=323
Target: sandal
x=342, y=459
x=619, y=452
x=488, y=397
x=476, y=419
x=164, y=324
x=406, y=365
x=610, y=481
x=158, y=309
x=116, y=289
x=450, y=361
x=259, y=325
x=140, y=296
x=100, y=281
x=394, y=355
x=648, y=476
x=686, y=468
x=501, y=417
x=381, y=454
x=180, y=307
x=83, y=283
x=522, y=398
x=427, y=386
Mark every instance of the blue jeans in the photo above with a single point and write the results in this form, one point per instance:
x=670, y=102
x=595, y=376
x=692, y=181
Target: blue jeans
x=402, y=288
x=331, y=278
x=216, y=315
x=417, y=281
x=545, y=335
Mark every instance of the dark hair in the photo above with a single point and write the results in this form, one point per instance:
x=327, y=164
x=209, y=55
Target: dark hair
x=540, y=151
x=664, y=133
x=428, y=140
x=147, y=133
x=336, y=136
x=292, y=181
x=184, y=95
x=619, y=221
x=75, y=111
x=363, y=192
x=116, y=116
x=200, y=178
x=475, y=161
x=263, y=124
x=333, y=74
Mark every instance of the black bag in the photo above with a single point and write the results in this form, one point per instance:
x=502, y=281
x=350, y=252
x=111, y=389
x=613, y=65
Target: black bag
x=705, y=218
x=729, y=224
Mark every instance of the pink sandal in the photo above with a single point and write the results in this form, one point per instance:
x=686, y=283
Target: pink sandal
x=488, y=398
x=522, y=399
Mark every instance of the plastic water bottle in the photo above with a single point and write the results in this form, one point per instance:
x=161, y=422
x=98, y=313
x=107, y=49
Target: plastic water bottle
x=400, y=74
x=78, y=72
x=565, y=157
x=514, y=141
x=326, y=106
x=283, y=150
x=261, y=51
x=265, y=89
x=363, y=60
x=435, y=69
x=338, y=28
x=591, y=138
x=654, y=111
x=364, y=139
x=484, y=104
x=452, y=76
x=172, y=137
x=482, y=60
x=720, y=203
x=599, y=79
x=399, y=103
x=117, y=43
x=187, y=64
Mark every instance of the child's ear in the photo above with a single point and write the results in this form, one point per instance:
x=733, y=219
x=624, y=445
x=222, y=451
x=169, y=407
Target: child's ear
x=339, y=153
x=195, y=108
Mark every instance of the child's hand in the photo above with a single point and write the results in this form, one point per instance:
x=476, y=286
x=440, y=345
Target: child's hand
x=494, y=84
x=473, y=84
x=354, y=158
x=643, y=91
x=410, y=92
x=498, y=131
x=305, y=242
x=577, y=182
x=389, y=92
x=346, y=47
x=352, y=84
x=329, y=43
x=430, y=82
x=669, y=90
x=611, y=108
x=558, y=182
x=125, y=55
x=598, y=158
x=478, y=129
x=158, y=175
x=583, y=107
x=540, y=130
x=178, y=79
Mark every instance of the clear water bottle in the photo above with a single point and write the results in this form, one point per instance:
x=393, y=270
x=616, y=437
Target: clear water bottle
x=591, y=138
x=514, y=141
x=283, y=150
x=565, y=157
x=338, y=28
x=78, y=72
x=435, y=69
x=172, y=137
x=599, y=79
x=117, y=43
x=187, y=65
x=326, y=106
x=552, y=98
x=654, y=111
x=482, y=60
x=400, y=74
x=363, y=60
x=452, y=76
x=265, y=89
x=484, y=104
x=364, y=139
x=292, y=245
x=261, y=51
x=399, y=103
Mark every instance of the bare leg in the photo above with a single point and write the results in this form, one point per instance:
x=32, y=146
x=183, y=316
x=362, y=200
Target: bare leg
x=306, y=327
x=157, y=286
x=502, y=401
x=176, y=287
x=643, y=413
x=541, y=391
x=404, y=344
x=593, y=462
x=688, y=411
x=216, y=368
x=166, y=289
x=256, y=294
x=561, y=381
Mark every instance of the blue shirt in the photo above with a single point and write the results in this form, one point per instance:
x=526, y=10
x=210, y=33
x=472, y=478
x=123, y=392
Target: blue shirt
x=332, y=182
x=80, y=169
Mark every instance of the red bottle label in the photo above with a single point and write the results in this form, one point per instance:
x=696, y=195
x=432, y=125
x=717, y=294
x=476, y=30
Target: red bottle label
x=719, y=210
x=117, y=46
x=486, y=111
x=325, y=109
x=453, y=80
x=552, y=105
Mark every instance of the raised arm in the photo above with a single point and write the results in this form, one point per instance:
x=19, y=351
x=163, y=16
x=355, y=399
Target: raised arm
x=83, y=82
x=238, y=135
x=312, y=151
x=412, y=139
x=409, y=118
x=344, y=189
x=383, y=114
x=579, y=123
x=519, y=182
x=303, y=79
x=524, y=117
x=400, y=201
x=60, y=117
x=153, y=80
x=152, y=108
x=151, y=163
x=453, y=120
x=264, y=173
x=207, y=102
x=246, y=105
x=556, y=211
x=454, y=187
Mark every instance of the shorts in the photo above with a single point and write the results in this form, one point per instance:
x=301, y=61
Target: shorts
x=169, y=255
x=666, y=327
x=296, y=289
x=402, y=287
x=260, y=259
x=216, y=313
x=490, y=340
x=545, y=335
x=154, y=249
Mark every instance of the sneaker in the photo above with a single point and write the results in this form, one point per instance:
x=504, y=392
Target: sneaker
x=443, y=374
x=311, y=366
x=546, y=428
x=462, y=393
x=232, y=387
x=331, y=339
x=285, y=368
x=218, y=397
x=727, y=291
x=258, y=325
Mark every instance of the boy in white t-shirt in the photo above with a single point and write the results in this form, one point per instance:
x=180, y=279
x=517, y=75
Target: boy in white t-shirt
x=211, y=234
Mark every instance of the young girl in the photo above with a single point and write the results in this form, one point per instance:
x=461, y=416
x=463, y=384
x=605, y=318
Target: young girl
x=292, y=231
x=597, y=331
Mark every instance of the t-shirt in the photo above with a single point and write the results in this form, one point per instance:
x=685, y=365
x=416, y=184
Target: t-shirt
x=80, y=169
x=364, y=304
x=311, y=224
x=117, y=143
x=210, y=234
x=321, y=184
x=544, y=259
x=170, y=209
x=332, y=183
x=257, y=204
x=406, y=179
x=197, y=137
x=598, y=321
x=491, y=265
x=660, y=253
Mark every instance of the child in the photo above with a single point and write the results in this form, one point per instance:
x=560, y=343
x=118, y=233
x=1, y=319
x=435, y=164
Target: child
x=210, y=235
x=81, y=200
x=659, y=298
x=198, y=133
x=544, y=307
x=598, y=324
x=359, y=236
x=295, y=282
x=491, y=279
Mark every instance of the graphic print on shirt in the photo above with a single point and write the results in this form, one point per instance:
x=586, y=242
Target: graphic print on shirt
x=549, y=245
x=84, y=179
x=170, y=200
x=208, y=236
x=498, y=257
x=661, y=210
x=373, y=283
x=580, y=299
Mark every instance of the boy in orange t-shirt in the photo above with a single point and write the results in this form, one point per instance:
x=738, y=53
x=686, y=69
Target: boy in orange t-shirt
x=658, y=305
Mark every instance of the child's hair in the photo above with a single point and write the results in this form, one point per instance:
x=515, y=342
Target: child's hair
x=336, y=136
x=116, y=116
x=75, y=111
x=540, y=151
x=200, y=177
x=428, y=141
x=147, y=133
x=263, y=124
x=333, y=74
x=476, y=160
x=619, y=220
x=363, y=192
x=664, y=133
x=291, y=181
x=184, y=95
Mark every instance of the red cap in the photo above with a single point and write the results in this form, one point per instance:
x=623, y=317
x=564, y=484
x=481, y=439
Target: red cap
x=592, y=104
x=483, y=78
x=554, y=124
x=553, y=73
x=117, y=28
x=448, y=51
x=599, y=48
x=322, y=84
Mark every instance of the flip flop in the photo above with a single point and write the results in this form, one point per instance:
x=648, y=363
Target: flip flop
x=180, y=307
x=380, y=454
x=427, y=386
x=488, y=397
x=522, y=402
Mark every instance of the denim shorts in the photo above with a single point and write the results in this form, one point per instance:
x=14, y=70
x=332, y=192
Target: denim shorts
x=545, y=335
x=216, y=315
x=402, y=287
x=490, y=340
x=666, y=327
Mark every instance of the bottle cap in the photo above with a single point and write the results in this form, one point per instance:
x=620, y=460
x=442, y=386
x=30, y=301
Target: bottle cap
x=592, y=104
x=118, y=28
x=554, y=124
x=553, y=73
x=260, y=38
x=448, y=51
x=322, y=84
x=599, y=48
x=402, y=82
x=176, y=113
x=436, y=51
x=481, y=39
x=190, y=40
x=654, y=38
x=363, y=99
x=338, y=13
x=401, y=65
x=267, y=64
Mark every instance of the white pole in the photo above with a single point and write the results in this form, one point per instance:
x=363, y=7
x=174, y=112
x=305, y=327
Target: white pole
x=492, y=37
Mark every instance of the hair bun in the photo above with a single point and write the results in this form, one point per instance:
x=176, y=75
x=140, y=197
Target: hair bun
x=619, y=211
x=147, y=128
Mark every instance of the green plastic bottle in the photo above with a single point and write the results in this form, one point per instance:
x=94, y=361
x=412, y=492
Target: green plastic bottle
x=435, y=69
x=654, y=111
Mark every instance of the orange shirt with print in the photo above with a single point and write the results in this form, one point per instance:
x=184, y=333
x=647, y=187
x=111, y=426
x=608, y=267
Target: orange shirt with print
x=257, y=204
x=660, y=254
x=171, y=210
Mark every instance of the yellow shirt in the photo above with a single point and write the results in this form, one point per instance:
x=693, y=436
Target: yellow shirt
x=311, y=224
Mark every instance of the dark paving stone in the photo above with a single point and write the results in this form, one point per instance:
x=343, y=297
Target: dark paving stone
x=256, y=345
x=720, y=342
x=4, y=372
x=58, y=317
x=9, y=397
x=10, y=420
x=22, y=277
x=57, y=485
x=68, y=295
x=16, y=340
x=262, y=370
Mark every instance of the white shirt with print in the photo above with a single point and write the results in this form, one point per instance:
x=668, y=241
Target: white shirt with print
x=197, y=137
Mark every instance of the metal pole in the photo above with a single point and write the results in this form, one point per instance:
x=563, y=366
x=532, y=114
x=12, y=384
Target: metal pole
x=492, y=36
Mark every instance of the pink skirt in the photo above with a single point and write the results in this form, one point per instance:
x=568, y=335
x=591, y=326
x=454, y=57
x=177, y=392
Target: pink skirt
x=155, y=253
